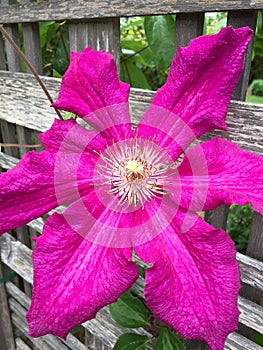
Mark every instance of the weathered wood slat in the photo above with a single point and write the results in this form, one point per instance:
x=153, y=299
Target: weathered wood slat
x=251, y=271
x=9, y=136
x=103, y=34
x=19, y=323
x=218, y=217
x=21, y=345
x=13, y=59
x=31, y=38
x=103, y=327
x=24, y=301
x=20, y=92
x=255, y=243
x=54, y=342
x=251, y=314
x=80, y=9
x=236, y=341
x=6, y=334
x=18, y=257
x=187, y=27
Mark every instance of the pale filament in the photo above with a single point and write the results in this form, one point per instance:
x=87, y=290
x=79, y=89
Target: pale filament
x=135, y=169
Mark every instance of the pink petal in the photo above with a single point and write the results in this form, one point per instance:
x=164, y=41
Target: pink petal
x=225, y=174
x=194, y=282
x=99, y=218
x=43, y=180
x=68, y=132
x=92, y=90
x=74, y=278
x=27, y=191
x=200, y=83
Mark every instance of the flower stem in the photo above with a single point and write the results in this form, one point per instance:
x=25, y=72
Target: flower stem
x=17, y=49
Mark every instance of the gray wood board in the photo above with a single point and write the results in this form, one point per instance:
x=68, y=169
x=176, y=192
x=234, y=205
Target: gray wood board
x=80, y=9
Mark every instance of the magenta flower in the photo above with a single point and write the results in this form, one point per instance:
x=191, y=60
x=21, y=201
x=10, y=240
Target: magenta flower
x=124, y=191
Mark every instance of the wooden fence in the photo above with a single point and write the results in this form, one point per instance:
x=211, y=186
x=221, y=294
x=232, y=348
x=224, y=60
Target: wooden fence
x=25, y=112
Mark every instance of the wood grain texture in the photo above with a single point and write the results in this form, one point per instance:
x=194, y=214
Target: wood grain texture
x=236, y=341
x=20, y=305
x=20, y=323
x=20, y=92
x=218, y=217
x=6, y=334
x=103, y=327
x=18, y=257
x=251, y=314
x=187, y=27
x=21, y=345
x=80, y=9
x=255, y=243
x=251, y=271
x=13, y=59
x=103, y=34
x=32, y=47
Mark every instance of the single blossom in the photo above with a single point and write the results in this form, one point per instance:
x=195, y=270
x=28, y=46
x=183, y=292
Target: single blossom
x=125, y=190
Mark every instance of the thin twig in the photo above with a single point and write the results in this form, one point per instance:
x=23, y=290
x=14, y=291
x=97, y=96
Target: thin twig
x=20, y=145
x=11, y=41
x=134, y=54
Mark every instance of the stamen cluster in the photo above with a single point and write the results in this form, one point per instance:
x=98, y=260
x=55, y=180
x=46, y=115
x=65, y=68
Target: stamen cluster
x=135, y=169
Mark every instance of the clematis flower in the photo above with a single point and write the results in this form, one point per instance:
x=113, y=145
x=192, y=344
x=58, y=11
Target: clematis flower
x=127, y=190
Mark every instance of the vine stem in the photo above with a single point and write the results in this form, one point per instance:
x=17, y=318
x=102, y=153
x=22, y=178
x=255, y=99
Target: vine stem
x=20, y=145
x=17, y=49
x=134, y=54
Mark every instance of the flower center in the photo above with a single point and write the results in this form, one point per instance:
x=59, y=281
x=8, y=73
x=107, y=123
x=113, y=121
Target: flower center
x=135, y=169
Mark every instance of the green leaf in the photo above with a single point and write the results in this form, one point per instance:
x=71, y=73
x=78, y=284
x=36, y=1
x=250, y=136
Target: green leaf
x=131, y=341
x=146, y=55
x=69, y=115
x=132, y=75
x=168, y=341
x=129, y=311
x=132, y=23
x=159, y=32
